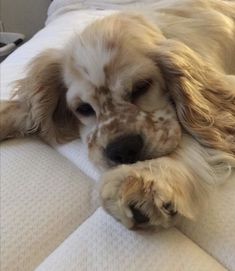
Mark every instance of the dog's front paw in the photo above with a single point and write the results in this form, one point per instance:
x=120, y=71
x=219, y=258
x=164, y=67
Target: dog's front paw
x=134, y=196
x=141, y=197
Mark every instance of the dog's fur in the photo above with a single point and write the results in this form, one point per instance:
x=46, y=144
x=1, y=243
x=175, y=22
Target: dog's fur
x=185, y=51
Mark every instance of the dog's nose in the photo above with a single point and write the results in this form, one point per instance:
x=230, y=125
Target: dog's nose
x=138, y=216
x=125, y=150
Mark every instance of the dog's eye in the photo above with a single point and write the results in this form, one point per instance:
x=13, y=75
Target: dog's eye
x=140, y=88
x=169, y=209
x=85, y=110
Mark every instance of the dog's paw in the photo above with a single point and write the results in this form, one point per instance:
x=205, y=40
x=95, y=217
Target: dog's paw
x=142, y=197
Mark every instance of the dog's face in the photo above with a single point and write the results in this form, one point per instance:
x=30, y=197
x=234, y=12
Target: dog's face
x=118, y=93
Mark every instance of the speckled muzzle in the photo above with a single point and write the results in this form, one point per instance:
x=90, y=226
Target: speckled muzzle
x=159, y=131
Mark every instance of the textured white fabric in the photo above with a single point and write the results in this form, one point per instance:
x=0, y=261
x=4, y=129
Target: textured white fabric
x=214, y=230
x=101, y=244
x=59, y=7
x=77, y=153
x=43, y=199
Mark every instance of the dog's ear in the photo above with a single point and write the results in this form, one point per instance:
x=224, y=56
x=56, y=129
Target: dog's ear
x=40, y=107
x=204, y=100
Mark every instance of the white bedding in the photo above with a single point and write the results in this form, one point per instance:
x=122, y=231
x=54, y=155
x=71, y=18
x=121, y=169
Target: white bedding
x=59, y=7
x=65, y=17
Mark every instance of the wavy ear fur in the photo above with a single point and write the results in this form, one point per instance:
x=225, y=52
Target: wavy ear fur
x=40, y=107
x=204, y=99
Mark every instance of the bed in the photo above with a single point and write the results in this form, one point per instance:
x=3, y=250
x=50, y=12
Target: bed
x=50, y=210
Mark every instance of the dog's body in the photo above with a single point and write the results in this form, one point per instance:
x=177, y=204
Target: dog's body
x=155, y=90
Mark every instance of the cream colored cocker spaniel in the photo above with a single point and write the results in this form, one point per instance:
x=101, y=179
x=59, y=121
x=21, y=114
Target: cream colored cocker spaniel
x=152, y=94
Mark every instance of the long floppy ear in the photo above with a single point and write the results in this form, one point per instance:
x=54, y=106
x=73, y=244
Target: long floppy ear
x=40, y=107
x=204, y=99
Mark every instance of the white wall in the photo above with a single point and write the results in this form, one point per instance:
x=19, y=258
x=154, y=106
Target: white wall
x=23, y=16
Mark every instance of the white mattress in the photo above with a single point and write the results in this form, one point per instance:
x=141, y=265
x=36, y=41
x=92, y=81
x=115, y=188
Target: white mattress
x=102, y=245
x=105, y=241
x=44, y=198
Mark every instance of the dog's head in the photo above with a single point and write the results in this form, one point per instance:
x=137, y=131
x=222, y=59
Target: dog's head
x=117, y=92
x=132, y=91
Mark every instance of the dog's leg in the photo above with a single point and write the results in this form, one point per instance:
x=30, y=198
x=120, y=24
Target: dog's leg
x=157, y=192
x=14, y=119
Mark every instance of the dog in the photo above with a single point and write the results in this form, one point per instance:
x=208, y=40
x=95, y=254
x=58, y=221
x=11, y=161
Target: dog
x=152, y=94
